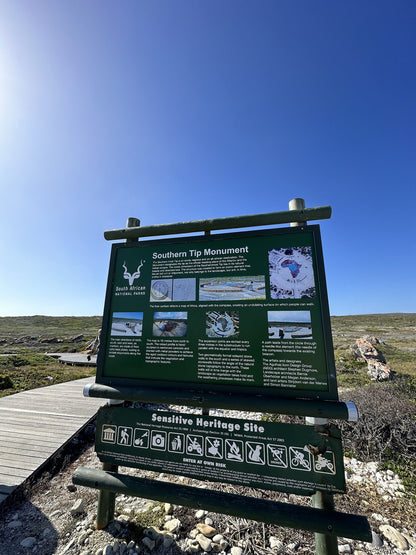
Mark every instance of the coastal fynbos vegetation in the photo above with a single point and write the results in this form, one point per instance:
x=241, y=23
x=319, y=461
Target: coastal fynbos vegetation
x=24, y=342
x=20, y=373
x=386, y=428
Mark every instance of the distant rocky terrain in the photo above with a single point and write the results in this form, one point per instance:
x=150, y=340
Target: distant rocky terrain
x=34, y=333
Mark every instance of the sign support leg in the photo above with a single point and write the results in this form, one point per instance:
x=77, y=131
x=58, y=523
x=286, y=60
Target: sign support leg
x=106, y=501
x=326, y=544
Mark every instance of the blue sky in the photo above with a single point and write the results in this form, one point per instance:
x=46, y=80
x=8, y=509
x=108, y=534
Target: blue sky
x=181, y=110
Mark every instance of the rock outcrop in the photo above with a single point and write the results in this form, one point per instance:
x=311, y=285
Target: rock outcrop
x=92, y=348
x=365, y=350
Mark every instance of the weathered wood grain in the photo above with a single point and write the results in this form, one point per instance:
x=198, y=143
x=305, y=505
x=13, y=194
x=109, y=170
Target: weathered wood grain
x=35, y=424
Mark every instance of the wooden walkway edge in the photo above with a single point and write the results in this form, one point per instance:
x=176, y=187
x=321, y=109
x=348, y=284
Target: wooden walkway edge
x=35, y=424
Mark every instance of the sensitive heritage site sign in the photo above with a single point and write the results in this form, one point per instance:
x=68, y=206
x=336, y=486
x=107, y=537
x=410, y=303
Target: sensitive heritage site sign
x=275, y=456
x=246, y=312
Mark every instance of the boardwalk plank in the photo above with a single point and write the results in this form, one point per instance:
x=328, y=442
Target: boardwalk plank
x=40, y=423
x=32, y=456
x=48, y=406
x=23, y=444
x=71, y=408
x=38, y=452
x=27, y=440
x=36, y=424
x=42, y=433
x=46, y=426
x=22, y=436
x=22, y=463
x=12, y=472
x=5, y=456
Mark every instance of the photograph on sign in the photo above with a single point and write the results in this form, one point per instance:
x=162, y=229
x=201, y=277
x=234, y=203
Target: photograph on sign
x=170, y=324
x=127, y=323
x=293, y=324
x=178, y=290
x=222, y=324
x=291, y=273
x=242, y=310
x=285, y=457
x=231, y=288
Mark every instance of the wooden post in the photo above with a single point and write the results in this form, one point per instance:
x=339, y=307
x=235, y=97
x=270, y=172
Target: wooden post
x=132, y=222
x=217, y=224
x=297, y=204
x=326, y=544
x=107, y=499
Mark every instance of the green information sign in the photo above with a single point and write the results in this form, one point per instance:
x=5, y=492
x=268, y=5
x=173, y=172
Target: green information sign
x=283, y=457
x=246, y=312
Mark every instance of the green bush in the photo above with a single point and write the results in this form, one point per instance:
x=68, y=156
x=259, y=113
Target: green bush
x=351, y=372
x=350, y=380
x=6, y=382
x=347, y=363
x=17, y=360
x=152, y=517
x=31, y=359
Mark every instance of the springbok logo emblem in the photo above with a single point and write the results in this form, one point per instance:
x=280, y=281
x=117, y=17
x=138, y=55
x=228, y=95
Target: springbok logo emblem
x=135, y=275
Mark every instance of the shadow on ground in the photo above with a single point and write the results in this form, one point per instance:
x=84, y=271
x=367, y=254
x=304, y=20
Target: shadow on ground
x=25, y=528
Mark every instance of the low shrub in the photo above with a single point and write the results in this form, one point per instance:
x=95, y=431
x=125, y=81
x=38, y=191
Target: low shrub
x=17, y=360
x=26, y=359
x=347, y=362
x=6, y=382
x=152, y=517
x=351, y=372
x=386, y=428
x=349, y=380
x=405, y=385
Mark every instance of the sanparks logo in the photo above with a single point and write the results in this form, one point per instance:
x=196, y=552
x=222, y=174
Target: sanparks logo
x=132, y=276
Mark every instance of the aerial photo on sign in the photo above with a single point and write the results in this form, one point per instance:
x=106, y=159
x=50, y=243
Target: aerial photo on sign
x=223, y=324
x=291, y=273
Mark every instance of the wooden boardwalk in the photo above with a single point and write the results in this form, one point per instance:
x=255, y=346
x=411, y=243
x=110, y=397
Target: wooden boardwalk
x=75, y=359
x=35, y=424
x=78, y=359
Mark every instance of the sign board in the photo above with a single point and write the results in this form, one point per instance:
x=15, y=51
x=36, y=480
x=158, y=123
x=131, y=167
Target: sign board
x=283, y=457
x=242, y=312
